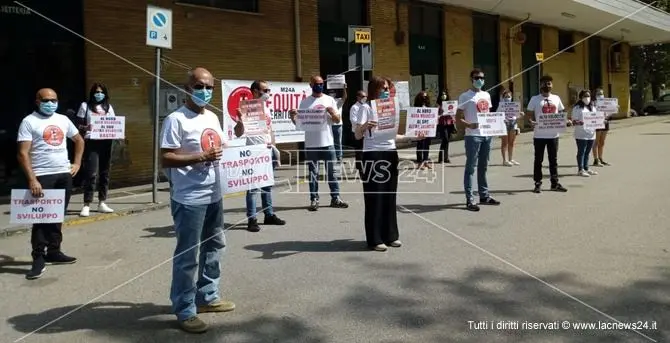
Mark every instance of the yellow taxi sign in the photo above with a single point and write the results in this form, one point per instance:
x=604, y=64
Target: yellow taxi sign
x=539, y=56
x=363, y=36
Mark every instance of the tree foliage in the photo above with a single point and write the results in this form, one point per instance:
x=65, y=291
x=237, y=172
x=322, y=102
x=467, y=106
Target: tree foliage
x=650, y=64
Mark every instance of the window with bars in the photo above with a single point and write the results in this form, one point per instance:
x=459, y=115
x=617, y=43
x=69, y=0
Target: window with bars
x=235, y=5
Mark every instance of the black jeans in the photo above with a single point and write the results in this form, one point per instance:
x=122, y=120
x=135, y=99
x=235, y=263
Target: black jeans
x=445, y=136
x=551, y=145
x=422, y=150
x=46, y=238
x=97, y=162
x=380, y=184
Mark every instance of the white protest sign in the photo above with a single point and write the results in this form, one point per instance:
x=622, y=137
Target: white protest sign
x=449, y=108
x=608, y=105
x=245, y=168
x=311, y=119
x=593, y=120
x=510, y=108
x=335, y=81
x=402, y=94
x=491, y=124
x=421, y=120
x=108, y=127
x=551, y=123
x=26, y=209
x=284, y=96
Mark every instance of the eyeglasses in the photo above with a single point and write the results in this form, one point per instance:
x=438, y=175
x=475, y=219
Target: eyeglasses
x=200, y=86
x=477, y=77
x=49, y=100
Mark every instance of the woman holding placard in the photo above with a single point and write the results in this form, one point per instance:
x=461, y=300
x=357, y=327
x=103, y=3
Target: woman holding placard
x=507, y=143
x=583, y=136
x=445, y=128
x=379, y=167
x=97, y=152
x=423, y=146
x=601, y=134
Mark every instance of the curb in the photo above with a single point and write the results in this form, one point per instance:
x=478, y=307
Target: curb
x=77, y=221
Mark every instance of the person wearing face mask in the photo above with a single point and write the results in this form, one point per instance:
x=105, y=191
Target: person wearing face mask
x=477, y=147
x=260, y=90
x=423, y=146
x=98, y=152
x=545, y=103
x=584, y=137
x=361, y=99
x=601, y=134
x=445, y=129
x=319, y=145
x=507, y=143
x=43, y=157
x=191, y=147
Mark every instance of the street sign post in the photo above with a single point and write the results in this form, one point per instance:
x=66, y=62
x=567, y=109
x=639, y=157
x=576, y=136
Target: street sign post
x=361, y=37
x=159, y=36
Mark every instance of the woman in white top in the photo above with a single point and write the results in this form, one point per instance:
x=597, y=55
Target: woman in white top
x=507, y=143
x=584, y=137
x=97, y=152
x=379, y=171
x=601, y=134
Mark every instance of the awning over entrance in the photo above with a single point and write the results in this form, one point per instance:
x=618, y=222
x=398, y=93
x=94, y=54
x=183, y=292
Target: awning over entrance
x=627, y=20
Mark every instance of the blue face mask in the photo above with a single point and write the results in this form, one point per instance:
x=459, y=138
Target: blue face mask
x=317, y=88
x=385, y=95
x=99, y=97
x=48, y=108
x=478, y=83
x=201, y=97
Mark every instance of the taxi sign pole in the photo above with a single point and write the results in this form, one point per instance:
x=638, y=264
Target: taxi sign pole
x=362, y=41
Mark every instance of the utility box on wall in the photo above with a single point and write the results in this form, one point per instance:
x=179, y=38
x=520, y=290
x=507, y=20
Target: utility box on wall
x=170, y=100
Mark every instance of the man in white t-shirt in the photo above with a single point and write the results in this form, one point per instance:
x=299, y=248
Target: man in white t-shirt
x=319, y=145
x=477, y=147
x=337, y=126
x=544, y=103
x=44, y=159
x=191, y=147
x=261, y=90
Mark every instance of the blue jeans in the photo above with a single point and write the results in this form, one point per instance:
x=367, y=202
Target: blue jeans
x=337, y=138
x=195, y=282
x=584, y=147
x=477, y=150
x=266, y=201
x=313, y=156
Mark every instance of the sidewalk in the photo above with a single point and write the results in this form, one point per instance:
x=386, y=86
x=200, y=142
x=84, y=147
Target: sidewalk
x=138, y=199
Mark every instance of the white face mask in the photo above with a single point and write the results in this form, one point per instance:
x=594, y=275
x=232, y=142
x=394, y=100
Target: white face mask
x=508, y=99
x=265, y=97
x=363, y=100
x=586, y=100
x=600, y=96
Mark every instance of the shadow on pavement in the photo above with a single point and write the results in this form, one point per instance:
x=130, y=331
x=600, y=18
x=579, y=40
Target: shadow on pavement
x=409, y=298
x=168, y=231
x=129, y=322
x=418, y=208
x=8, y=265
x=276, y=250
x=500, y=191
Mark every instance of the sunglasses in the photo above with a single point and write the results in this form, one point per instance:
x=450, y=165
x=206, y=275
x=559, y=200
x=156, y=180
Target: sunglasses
x=200, y=86
x=478, y=78
x=49, y=100
x=267, y=90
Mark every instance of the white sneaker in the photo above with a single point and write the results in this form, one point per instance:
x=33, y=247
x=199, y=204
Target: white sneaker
x=592, y=172
x=103, y=208
x=515, y=162
x=85, y=211
x=583, y=173
x=508, y=163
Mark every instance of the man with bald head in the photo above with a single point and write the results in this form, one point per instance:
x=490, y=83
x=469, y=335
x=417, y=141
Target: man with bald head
x=319, y=145
x=191, y=147
x=44, y=159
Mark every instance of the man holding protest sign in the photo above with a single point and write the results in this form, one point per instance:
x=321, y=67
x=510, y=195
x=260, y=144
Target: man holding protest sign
x=44, y=159
x=477, y=146
x=322, y=110
x=261, y=92
x=191, y=147
x=545, y=112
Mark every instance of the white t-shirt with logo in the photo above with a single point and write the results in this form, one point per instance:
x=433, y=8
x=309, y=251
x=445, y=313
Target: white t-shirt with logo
x=48, y=152
x=374, y=141
x=543, y=105
x=580, y=131
x=340, y=105
x=192, y=133
x=85, y=112
x=324, y=138
x=353, y=115
x=471, y=103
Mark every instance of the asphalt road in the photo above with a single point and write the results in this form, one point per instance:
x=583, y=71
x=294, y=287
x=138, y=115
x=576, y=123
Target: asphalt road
x=599, y=252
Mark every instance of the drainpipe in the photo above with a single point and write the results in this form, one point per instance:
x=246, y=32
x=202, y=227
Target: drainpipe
x=510, y=44
x=609, y=67
x=298, y=50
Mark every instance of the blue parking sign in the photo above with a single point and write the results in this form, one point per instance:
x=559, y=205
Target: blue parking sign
x=153, y=34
